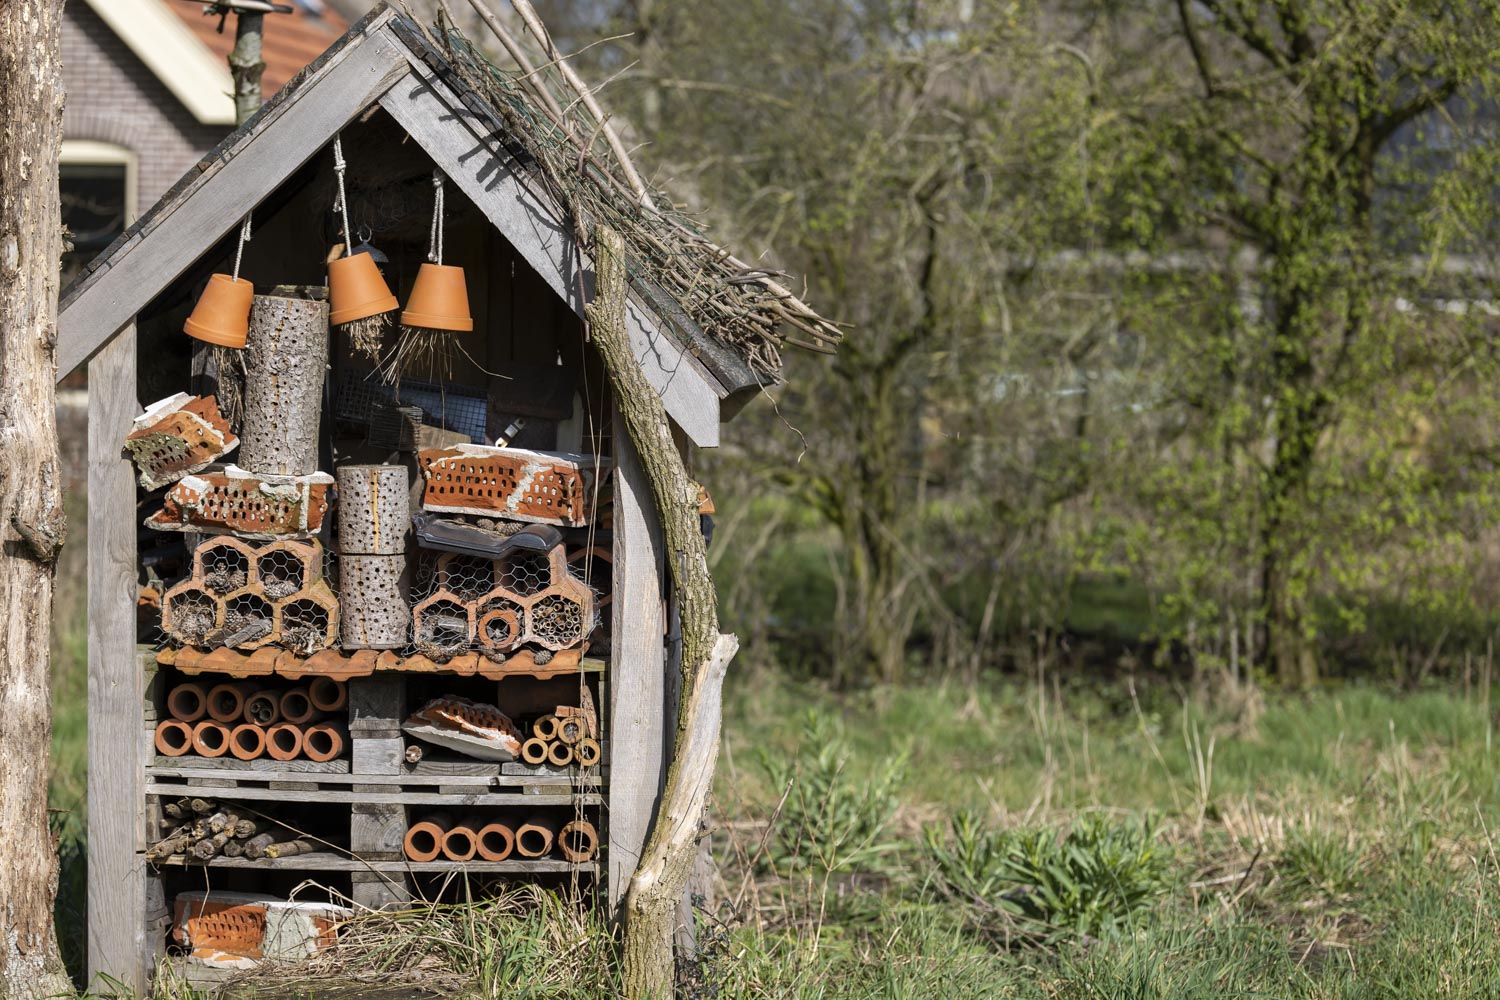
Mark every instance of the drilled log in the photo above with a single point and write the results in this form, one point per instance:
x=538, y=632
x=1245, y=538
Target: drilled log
x=374, y=509
x=286, y=357
x=373, y=605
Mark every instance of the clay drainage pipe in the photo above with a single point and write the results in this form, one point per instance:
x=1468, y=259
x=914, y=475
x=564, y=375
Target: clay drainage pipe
x=188, y=702
x=210, y=738
x=247, y=741
x=226, y=702
x=545, y=728
x=571, y=729
x=297, y=707
x=559, y=755
x=323, y=741
x=284, y=741
x=535, y=838
x=586, y=752
x=496, y=842
x=424, y=839
x=263, y=708
x=327, y=694
x=579, y=841
x=173, y=738
x=460, y=842
x=534, y=751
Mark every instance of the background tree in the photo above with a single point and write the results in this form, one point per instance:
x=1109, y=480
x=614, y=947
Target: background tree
x=31, y=513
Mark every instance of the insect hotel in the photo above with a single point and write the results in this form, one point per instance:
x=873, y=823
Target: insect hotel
x=377, y=595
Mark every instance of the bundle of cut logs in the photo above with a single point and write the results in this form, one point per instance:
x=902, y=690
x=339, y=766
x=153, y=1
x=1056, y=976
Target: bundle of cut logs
x=202, y=829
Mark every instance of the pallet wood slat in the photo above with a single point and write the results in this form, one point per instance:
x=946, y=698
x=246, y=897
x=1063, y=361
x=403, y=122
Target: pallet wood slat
x=638, y=656
x=116, y=689
x=233, y=792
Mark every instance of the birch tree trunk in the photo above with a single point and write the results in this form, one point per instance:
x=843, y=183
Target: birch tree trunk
x=31, y=513
x=672, y=848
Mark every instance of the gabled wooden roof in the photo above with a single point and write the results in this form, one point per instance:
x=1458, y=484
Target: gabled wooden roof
x=384, y=60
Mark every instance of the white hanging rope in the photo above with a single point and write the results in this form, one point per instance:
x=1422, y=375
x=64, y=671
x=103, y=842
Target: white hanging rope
x=240, y=250
x=339, y=166
x=435, y=237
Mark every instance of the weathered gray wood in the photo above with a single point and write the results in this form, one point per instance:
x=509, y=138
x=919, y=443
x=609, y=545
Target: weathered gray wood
x=377, y=703
x=116, y=820
x=286, y=360
x=192, y=786
x=475, y=160
x=285, y=138
x=376, y=831
x=168, y=768
x=374, y=890
x=378, y=755
x=639, y=659
x=207, y=767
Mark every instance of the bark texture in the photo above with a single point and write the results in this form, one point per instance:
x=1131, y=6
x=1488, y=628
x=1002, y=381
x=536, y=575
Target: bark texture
x=286, y=357
x=31, y=513
x=672, y=848
x=245, y=65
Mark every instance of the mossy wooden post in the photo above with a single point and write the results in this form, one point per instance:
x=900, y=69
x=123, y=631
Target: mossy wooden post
x=31, y=509
x=671, y=850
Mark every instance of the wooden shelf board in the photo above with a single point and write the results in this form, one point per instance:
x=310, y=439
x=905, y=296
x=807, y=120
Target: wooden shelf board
x=160, y=787
x=216, y=765
x=329, y=861
x=173, y=770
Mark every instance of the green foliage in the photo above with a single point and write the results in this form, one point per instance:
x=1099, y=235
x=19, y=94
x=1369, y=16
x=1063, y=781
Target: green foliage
x=1093, y=878
x=830, y=821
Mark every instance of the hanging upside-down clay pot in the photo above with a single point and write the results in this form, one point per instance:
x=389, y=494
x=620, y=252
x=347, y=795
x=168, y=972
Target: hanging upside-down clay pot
x=439, y=300
x=356, y=290
x=222, y=315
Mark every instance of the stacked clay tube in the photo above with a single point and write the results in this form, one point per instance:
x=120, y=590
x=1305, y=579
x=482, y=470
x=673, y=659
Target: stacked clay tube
x=561, y=739
x=248, y=722
x=436, y=836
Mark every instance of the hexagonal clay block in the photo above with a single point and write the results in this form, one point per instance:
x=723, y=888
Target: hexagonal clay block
x=249, y=620
x=442, y=625
x=308, y=620
x=191, y=615
x=223, y=565
x=542, y=487
x=498, y=621
x=562, y=615
x=178, y=436
x=283, y=568
x=372, y=602
x=466, y=577
x=248, y=505
x=374, y=509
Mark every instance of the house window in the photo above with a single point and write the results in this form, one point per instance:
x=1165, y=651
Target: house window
x=97, y=182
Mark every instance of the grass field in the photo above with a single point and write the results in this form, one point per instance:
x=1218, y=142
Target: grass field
x=1333, y=845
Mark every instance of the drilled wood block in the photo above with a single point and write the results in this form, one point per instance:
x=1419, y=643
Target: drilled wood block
x=377, y=703
x=286, y=359
x=373, y=601
x=374, y=509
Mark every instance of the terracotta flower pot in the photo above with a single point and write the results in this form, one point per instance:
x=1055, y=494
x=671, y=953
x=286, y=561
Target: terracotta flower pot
x=439, y=299
x=356, y=290
x=222, y=315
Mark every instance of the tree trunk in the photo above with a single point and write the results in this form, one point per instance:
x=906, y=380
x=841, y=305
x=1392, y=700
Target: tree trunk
x=31, y=512
x=671, y=850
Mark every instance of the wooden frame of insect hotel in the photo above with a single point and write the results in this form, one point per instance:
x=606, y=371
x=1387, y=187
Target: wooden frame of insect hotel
x=376, y=581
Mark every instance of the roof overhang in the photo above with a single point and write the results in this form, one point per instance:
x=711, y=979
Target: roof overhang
x=174, y=55
x=377, y=62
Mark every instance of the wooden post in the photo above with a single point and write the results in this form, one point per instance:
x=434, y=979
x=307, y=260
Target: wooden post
x=637, y=667
x=286, y=359
x=116, y=776
x=245, y=64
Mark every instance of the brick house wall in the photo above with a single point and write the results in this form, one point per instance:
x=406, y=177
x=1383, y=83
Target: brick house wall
x=114, y=98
